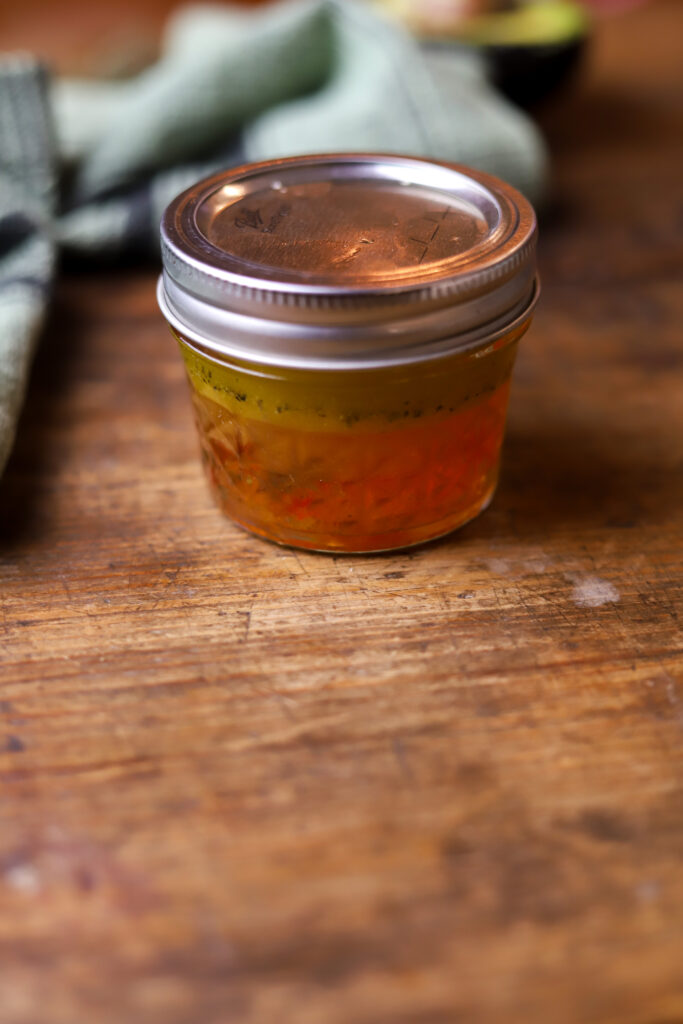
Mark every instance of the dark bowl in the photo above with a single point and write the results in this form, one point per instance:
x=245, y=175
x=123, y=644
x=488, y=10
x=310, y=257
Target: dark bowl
x=529, y=73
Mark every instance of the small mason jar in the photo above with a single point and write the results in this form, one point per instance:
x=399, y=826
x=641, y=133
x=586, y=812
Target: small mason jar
x=349, y=325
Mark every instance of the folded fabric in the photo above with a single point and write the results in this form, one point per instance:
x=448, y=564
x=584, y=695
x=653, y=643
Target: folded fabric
x=27, y=248
x=231, y=85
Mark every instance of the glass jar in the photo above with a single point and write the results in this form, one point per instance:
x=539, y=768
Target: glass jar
x=349, y=325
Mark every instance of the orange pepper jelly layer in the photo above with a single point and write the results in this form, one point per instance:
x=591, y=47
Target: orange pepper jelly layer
x=362, y=460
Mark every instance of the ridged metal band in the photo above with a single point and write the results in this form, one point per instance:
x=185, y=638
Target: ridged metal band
x=348, y=349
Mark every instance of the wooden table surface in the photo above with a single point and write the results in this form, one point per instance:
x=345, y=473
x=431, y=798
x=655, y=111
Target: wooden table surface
x=244, y=784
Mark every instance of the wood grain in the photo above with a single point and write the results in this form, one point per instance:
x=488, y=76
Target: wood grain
x=245, y=784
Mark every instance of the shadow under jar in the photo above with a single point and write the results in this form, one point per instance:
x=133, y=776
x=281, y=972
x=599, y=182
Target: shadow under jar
x=349, y=325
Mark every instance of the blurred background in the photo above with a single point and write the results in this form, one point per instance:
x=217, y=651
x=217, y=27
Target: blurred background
x=83, y=39
x=537, y=54
x=80, y=38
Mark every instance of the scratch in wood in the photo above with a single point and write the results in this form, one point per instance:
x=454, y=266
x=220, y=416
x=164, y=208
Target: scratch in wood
x=247, y=625
x=297, y=559
x=402, y=759
x=671, y=694
x=286, y=703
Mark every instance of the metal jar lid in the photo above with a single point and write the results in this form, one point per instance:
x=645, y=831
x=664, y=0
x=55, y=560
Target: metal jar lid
x=346, y=260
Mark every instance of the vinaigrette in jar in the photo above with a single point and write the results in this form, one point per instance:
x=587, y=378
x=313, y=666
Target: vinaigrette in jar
x=349, y=326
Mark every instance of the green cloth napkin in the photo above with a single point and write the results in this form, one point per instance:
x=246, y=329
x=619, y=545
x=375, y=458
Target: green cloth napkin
x=231, y=85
